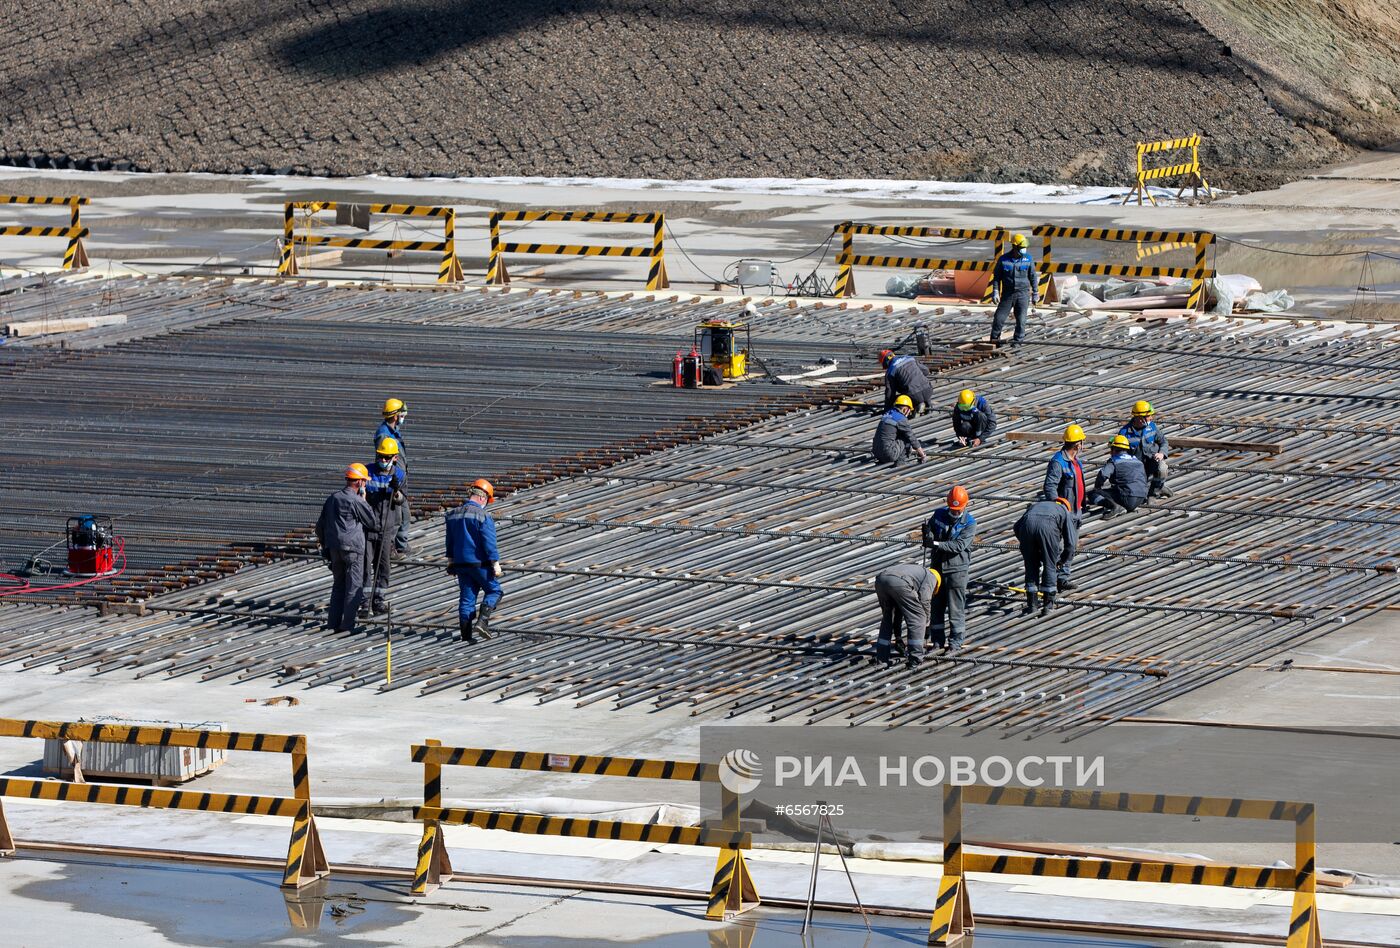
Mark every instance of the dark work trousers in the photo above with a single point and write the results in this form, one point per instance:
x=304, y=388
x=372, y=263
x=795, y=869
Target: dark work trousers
x=1156, y=471
x=950, y=603
x=1021, y=301
x=347, y=590
x=401, y=538
x=472, y=581
x=1111, y=497
x=1067, y=557
x=1039, y=556
x=899, y=606
x=380, y=547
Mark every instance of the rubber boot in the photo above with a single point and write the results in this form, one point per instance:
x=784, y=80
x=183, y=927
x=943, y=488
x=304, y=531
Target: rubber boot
x=1030, y=603
x=482, y=626
x=1047, y=603
x=1162, y=490
x=1064, y=584
x=464, y=631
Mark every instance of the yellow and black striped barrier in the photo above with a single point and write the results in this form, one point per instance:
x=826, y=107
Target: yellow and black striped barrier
x=1197, y=273
x=306, y=861
x=732, y=891
x=449, y=269
x=75, y=254
x=847, y=259
x=498, y=275
x=952, y=913
x=1191, y=169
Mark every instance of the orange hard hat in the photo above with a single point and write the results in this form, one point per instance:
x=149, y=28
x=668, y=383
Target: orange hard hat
x=1064, y=503
x=885, y=356
x=357, y=472
x=957, y=498
x=483, y=485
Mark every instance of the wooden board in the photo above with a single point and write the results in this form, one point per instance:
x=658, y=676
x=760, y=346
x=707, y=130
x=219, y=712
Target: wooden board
x=1208, y=444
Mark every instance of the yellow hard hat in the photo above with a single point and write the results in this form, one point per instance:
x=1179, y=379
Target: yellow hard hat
x=1143, y=409
x=1121, y=442
x=937, y=580
x=904, y=401
x=388, y=446
x=392, y=407
x=966, y=397
x=1073, y=434
x=1019, y=240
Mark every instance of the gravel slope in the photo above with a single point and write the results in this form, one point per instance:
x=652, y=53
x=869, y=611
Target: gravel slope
x=1046, y=90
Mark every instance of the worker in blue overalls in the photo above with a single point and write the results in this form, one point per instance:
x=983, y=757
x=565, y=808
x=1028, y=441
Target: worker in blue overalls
x=1018, y=287
x=395, y=411
x=385, y=495
x=1148, y=443
x=474, y=560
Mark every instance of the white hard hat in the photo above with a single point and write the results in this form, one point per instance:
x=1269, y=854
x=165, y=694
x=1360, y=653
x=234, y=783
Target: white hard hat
x=750, y=309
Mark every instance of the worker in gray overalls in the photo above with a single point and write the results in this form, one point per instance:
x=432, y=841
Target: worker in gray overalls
x=345, y=516
x=905, y=592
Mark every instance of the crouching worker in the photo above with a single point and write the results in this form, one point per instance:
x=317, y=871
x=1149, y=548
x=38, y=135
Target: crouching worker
x=473, y=559
x=905, y=592
x=895, y=441
x=1122, y=482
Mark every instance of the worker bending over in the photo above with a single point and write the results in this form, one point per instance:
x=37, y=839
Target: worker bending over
x=905, y=593
x=1121, y=483
x=906, y=375
x=1149, y=444
x=395, y=411
x=1046, y=533
x=385, y=495
x=948, y=536
x=345, y=517
x=973, y=418
x=894, y=436
x=1064, y=480
x=473, y=559
x=1018, y=287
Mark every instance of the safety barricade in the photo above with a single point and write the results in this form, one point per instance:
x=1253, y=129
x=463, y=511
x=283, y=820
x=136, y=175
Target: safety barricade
x=1148, y=249
x=847, y=259
x=1191, y=169
x=497, y=274
x=306, y=862
x=1197, y=273
x=449, y=270
x=952, y=913
x=75, y=254
x=732, y=891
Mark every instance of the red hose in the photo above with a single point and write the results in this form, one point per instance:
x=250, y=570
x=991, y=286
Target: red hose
x=29, y=587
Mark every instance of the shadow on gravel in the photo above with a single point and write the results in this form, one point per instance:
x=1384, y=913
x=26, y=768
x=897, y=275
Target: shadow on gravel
x=406, y=34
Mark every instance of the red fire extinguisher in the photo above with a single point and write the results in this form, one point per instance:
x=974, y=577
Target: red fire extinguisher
x=678, y=370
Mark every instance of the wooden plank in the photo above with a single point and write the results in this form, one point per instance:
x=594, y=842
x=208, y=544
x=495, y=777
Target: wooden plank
x=1208, y=444
x=44, y=327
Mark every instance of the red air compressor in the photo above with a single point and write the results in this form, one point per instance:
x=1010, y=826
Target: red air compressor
x=90, y=551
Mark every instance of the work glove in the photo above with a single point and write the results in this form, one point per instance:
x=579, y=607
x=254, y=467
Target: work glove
x=396, y=499
x=496, y=569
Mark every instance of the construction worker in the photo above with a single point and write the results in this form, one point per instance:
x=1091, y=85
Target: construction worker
x=973, y=418
x=341, y=528
x=473, y=559
x=905, y=593
x=906, y=375
x=894, y=436
x=395, y=411
x=1017, y=285
x=1121, y=483
x=1149, y=444
x=385, y=495
x=1046, y=533
x=948, y=537
x=1064, y=480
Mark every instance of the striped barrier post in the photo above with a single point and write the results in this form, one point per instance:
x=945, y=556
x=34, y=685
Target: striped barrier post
x=847, y=259
x=1191, y=169
x=449, y=270
x=1197, y=273
x=947, y=925
x=75, y=253
x=732, y=890
x=306, y=861
x=498, y=275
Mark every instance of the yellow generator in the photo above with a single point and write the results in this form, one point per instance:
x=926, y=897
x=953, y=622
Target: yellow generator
x=716, y=339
